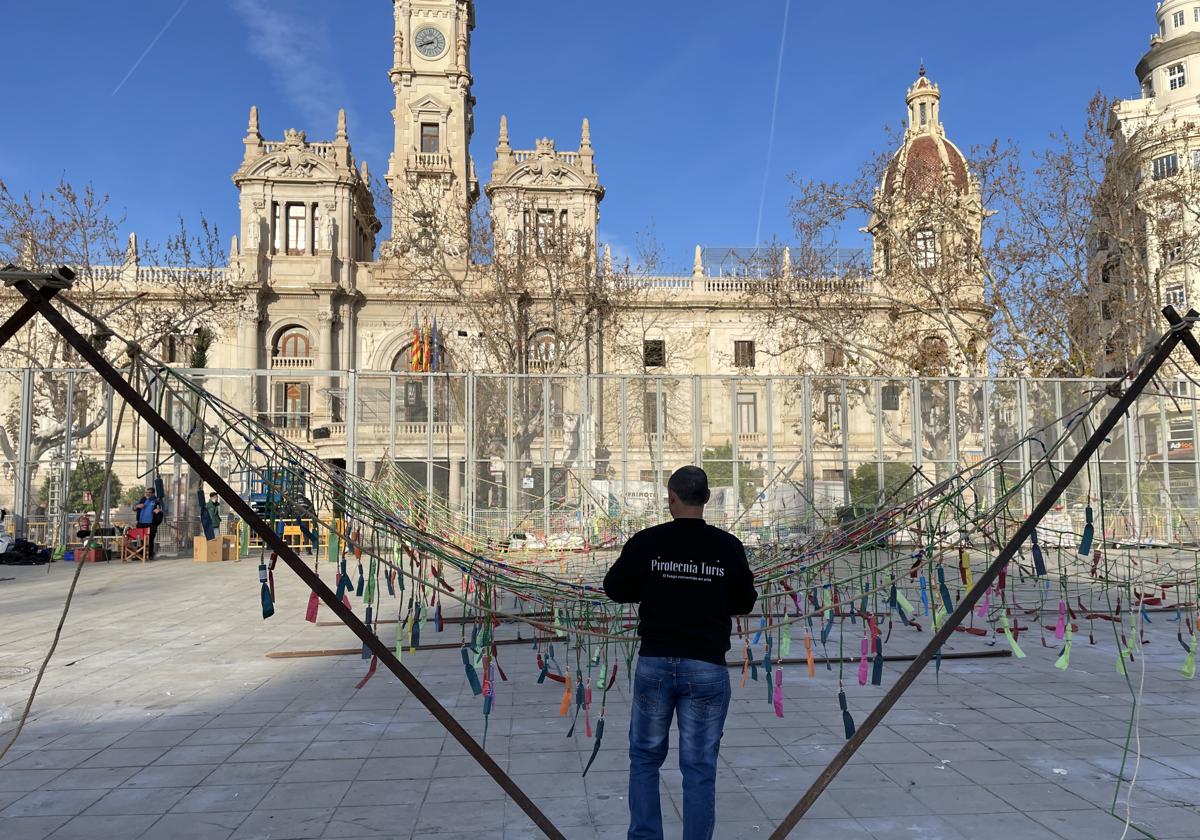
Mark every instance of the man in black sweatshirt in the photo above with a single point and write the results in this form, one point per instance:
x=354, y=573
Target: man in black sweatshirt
x=689, y=578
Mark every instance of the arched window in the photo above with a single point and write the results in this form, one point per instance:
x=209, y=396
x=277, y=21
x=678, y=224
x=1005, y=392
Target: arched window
x=934, y=356
x=543, y=350
x=293, y=343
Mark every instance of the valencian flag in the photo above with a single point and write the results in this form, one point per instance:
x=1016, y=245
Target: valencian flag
x=417, y=361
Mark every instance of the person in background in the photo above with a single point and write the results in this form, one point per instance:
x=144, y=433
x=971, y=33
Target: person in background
x=85, y=525
x=149, y=514
x=688, y=577
x=213, y=506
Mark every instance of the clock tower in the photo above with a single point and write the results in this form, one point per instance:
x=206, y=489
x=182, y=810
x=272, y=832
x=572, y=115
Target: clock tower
x=431, y=77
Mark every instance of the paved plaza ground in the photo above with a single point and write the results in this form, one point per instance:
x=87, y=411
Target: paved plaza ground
x=161, y=718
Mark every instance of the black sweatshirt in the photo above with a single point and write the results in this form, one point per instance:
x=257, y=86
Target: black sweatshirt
x=689, y=578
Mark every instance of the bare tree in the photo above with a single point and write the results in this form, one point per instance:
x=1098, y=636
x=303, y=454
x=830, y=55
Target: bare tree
x=156, y=298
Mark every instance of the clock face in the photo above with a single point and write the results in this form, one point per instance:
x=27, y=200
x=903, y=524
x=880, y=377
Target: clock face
x=430, y=42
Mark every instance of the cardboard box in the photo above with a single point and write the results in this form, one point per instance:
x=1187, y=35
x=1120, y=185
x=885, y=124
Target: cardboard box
x=229, y=547
x=206, y=551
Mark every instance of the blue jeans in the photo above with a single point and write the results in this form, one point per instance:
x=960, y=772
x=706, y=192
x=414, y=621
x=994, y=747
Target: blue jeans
x=699, y=692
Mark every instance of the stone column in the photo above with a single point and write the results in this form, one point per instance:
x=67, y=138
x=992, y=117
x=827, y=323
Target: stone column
x=249, y=338
x=324, y=361
x=455, y=493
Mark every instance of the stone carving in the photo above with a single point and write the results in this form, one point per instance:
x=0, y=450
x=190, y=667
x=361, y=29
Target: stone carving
x=327, y=232
x=253, y=233
x=294, y=159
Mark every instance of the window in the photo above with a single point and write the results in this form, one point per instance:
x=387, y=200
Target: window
x=431, y=138
x=1108, y=272
x=835, y=357
x=924, y=114
x=1106, y=310
x=1172, y=252
x=654, y=353
x=887, y=257
x=293, y=344
x=1178, y=19
x=833, y=475
x=747, y=408
x=176, y=348
x=1196, y=14
x=934, y=356
x=1175, y=295
x=296, y=225
x=545, y=231
x=1179, y=388
x=543, y=349
x=1176, y=76
x=925, y=247
x=556, y=407
x=743, y=354
x=291, y=405
x=651, y=408
x=1166, y=166
x=277, y=227
x=1196, y=159
x=889, y=395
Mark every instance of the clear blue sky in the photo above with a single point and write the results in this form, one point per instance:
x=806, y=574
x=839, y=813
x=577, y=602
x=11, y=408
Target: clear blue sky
x=679, y=93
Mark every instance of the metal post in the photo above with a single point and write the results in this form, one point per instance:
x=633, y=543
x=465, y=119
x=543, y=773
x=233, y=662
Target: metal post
x=151, y=464
x=1022, y=431
x=108, y=448
x=391, y=447
x=844, y=410
x=989, y=487
x=1164, y=445
x=952, y=397
x=879, y=469
x=430, y=384
x=68, y=425
x=1133, y=426
x=24, y=467
x=546, y=459
x=659, y=422
x=1191, y=391
x=624, y=412
x=734, y=448
x=1059, y=427
x=350, y=416
x=510, y=468
x=807, y=423
x=770, y=476
x=470, y=481
x=918, y=427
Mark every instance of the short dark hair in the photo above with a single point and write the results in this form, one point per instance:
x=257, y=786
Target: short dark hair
x=690, y=485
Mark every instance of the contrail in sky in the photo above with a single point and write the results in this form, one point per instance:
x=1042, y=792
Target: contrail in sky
x=787, y=11
x=157, y=38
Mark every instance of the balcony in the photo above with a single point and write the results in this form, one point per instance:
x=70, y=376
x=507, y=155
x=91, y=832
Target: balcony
x=292, y=363
x=289, y=426
x=430, y=162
